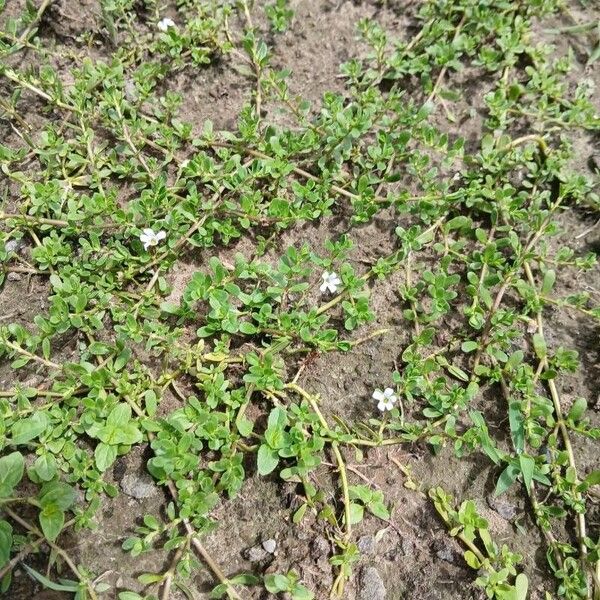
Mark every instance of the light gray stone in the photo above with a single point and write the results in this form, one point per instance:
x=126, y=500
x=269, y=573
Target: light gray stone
x=371, y=585
x=255, y=554
x=505, y=509
x=447, y=554
x=139, y=486
x=366, y=544
x=13, y=245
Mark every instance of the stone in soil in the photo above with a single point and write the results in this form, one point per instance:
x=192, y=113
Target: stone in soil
x=139, y=486
x=371, y=585
x=270, y=546
x=366, y=544
x=256, y=553
x=505, y=509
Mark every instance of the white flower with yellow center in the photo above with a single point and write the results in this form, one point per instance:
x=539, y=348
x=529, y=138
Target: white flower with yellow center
x=149, y=238
x=165, y=24
x=331, y=281
x=385, y=399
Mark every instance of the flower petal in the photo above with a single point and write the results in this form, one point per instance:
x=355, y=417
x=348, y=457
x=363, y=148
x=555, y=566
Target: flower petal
x=381, y=406
x=148, y=231
x=323, y=287
x=161, y=235
x=378, y=395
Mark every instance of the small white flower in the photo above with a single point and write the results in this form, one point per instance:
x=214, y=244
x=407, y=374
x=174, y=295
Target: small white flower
x=165, y=23
x=149, y=238
x=385, y=399
x=330, y=282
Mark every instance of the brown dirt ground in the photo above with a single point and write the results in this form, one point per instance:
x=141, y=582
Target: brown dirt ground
x=414, y=556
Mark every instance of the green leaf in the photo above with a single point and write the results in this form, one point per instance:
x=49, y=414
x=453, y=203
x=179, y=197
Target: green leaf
x=458, y=373
x=593, y=478
x=170, y=308
x=248, y=328
x=577, y=409
x=521, y=586
x=45, y=466
x=244, y=426
x=472, y=560
x=299, y=514
x=150, y=402
x=52, y=520
x=356, y=513
x=506, y=479
x=469, y=346
x=129, y=434
x=301, y=592
x=98, y=349
x=516, y=423
x=122, y=359
x=457, y=223
x=277, y=418
x=267, y=459
x=105, y=456
x=148, y=578
x=130, y=596
x=46, y=348
x=57, y=493
x=527, y=465
x=219, y=591
x=11, y=472
x=245, y=579
x=539, y=346
x=5, y=542
x=548, y=283
x=25, y=430
x=71, y=586
x=594, y=56
x=119, y=415
x=379, y=509
x=276, y=583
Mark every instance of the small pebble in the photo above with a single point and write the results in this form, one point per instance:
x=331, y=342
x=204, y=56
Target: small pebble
x=371, y=585
x=270, y=546
x=447, y=554
x=320, y=547
x=13, y=245
x=505, y=509
x=139, y=486
x=255, y=554
x=366, y=544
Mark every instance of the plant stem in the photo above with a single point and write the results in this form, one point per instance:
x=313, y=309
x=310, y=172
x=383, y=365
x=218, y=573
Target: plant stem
x=55, y=547
x=339, y=583
x=22, y=351
x=580, y=519
x=33, y=219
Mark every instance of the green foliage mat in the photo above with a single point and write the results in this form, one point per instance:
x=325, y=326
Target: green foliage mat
x=109, y=192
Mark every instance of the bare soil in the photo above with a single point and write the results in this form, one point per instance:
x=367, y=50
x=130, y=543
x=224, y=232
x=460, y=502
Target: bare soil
x=414, y=557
